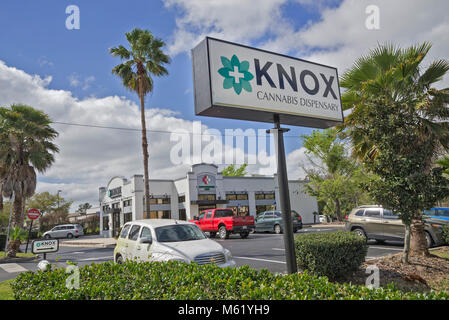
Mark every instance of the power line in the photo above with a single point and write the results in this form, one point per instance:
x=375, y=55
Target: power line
x=154, y=131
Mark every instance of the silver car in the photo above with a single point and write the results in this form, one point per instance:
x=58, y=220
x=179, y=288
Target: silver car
x=65, y=231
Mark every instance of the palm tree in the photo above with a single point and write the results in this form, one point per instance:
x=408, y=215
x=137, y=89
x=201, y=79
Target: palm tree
x=395, y=77
x=144, y=60
x=25, y=146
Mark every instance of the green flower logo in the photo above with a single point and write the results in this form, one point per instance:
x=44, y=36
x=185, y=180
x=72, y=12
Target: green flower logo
x=236, y=74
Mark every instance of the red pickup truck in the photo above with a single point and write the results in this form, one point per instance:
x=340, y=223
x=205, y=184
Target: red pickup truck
x=224, y=222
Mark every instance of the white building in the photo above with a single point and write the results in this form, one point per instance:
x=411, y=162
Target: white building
x=203, y=187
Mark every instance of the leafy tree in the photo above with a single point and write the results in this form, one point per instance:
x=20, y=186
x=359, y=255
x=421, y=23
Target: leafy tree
x=334, y=177
x=144, y=60
x=54, y=209
x=25, y=147
x=232, y=171
x=82, y=208
x=398, y=125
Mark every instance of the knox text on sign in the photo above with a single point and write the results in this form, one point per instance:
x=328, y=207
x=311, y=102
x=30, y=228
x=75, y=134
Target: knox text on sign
x=251, y=84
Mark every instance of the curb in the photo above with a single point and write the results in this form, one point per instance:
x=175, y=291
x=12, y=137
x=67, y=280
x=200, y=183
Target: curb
x=18, y=260
x=90, y=245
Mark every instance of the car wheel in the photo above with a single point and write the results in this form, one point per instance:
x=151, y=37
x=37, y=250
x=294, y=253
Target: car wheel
x=69, y=236
x=360, y=232
x=223, y=233
x=47, y=236
x=244, y=235
x=119, y=259
x=429, y=240
x=295, y=230
x=212, y=234
x=277, y=229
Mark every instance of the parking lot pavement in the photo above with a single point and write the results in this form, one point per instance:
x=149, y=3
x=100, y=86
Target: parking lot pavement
x=79, y=255
x=259, y=251
x=266, y=251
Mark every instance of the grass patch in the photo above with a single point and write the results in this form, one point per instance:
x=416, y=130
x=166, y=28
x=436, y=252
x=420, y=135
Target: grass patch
x=441, y=253
x=18, y=255
x=6, y=290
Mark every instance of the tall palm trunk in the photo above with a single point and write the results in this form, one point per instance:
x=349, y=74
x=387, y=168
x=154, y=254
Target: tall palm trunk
x=418, y=241
x=140, y=71
x=17, y=221
x=406, y=251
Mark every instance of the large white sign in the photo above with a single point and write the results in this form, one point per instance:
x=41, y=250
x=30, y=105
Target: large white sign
x=45, y=246
x=235, y=81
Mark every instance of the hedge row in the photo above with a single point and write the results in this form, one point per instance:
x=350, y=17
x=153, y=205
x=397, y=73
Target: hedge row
x=178, y=280
x=331, y=254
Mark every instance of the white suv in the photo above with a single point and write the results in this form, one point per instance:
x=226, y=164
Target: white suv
x=165, y=240
x=65, y=231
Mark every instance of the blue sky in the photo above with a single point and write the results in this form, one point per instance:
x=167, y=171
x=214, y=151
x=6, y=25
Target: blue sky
x=67, y=73
x=39, y=43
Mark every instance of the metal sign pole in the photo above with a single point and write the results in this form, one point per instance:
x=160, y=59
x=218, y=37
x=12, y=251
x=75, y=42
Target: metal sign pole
x=284, y=195
x=28, y=239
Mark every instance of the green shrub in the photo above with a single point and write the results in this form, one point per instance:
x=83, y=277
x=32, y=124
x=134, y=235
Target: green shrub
x=446, y=233
x=330, y=254
x=178, y=280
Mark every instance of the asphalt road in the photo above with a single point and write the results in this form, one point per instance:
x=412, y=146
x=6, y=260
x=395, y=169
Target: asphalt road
x=260, y=251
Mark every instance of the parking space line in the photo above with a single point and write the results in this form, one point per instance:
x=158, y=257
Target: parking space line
x=279, y=249
x=12, y=267
x=386, y=248
x=257, y=259
x=99, y=258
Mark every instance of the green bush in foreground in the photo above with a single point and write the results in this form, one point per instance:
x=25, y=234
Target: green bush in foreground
x=178, y=280
x=331, y=254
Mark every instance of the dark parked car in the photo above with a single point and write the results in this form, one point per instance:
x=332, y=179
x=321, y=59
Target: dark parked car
x=271, y=221
x=375, y=222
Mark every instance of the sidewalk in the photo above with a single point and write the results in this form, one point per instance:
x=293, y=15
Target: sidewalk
x=96, y=242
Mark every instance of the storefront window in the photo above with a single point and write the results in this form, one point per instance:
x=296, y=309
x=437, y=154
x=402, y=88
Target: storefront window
x=182, y=214
x=264, y=196
x=160, y=201
x=240, y=211
x=260, y=209
x=105, y=223
x=231, y=196
x=210, y=197
x=243, y=196
x=127, y=217
x=160, y=214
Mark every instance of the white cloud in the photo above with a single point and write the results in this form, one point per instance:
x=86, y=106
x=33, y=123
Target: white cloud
x=233, y=20
x=337, y=38
x=76, y=81
x=90, y=156
x=341, y=36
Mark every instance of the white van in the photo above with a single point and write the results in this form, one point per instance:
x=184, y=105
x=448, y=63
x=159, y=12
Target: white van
x=167, y=239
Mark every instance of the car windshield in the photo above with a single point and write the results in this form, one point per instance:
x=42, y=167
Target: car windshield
x=180, y=232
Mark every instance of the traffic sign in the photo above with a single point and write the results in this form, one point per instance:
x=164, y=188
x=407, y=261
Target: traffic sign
x=33, y=214
x=45, y=246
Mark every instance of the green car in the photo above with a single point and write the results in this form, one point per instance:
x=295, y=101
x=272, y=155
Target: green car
x=271, y=221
